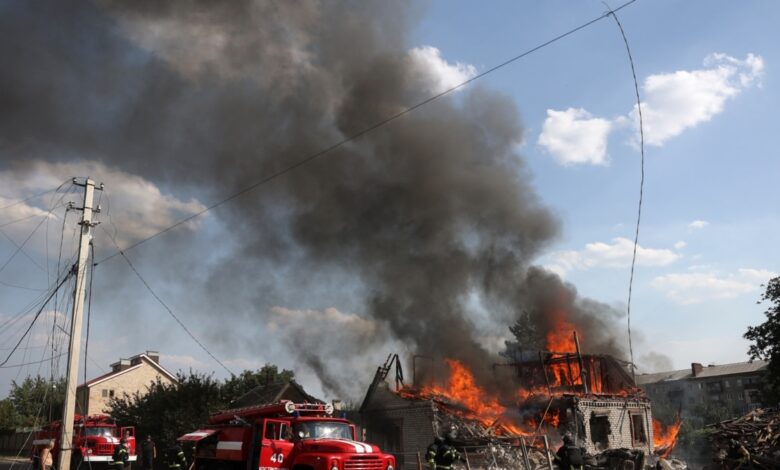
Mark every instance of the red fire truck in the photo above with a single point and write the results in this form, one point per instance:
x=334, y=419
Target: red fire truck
x=94, y=440
x=283, y=436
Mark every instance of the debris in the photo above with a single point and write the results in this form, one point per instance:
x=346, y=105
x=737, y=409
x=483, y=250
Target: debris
x=758, y=431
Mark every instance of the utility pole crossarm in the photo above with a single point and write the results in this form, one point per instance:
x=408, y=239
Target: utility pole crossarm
x=80, y=268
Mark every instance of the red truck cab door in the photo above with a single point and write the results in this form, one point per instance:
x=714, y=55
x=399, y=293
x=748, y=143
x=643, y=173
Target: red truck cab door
x=275, y=445
x=128, y=433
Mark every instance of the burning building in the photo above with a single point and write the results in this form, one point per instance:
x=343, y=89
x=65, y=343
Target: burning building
x=540, y=397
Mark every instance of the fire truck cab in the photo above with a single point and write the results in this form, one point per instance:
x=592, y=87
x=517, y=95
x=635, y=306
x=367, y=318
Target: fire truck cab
x=94, y=440
x=283, y=436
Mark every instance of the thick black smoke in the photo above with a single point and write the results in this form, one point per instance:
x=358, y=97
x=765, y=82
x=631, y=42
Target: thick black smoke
x=423, y=214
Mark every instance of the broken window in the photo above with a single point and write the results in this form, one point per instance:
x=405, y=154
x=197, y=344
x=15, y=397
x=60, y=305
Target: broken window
x=638, y=434
x=600, y=431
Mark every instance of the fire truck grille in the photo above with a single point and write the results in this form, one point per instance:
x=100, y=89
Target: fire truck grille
x=104, y=449
x=364, y=463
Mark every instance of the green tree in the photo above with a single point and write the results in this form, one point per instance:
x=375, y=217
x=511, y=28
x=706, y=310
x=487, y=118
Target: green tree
x=37, y=400
x=8, y=417
x=529, y=336
x=239, y=385
x=169, y=410
x=766, y=340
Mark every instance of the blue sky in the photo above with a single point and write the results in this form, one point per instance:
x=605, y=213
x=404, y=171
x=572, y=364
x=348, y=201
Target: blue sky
x=720, y=171
x=708, y=77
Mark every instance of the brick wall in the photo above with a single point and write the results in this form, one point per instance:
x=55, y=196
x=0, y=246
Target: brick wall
x=128, y=382
x=400, y=427
x=619, y=415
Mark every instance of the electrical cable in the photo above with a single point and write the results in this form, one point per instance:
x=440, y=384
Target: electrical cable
x=67, y=276
x=168, y=309
x=641, y=185
x=31, y=363
x=31, y=197
x=20, y=247
x=361, y=133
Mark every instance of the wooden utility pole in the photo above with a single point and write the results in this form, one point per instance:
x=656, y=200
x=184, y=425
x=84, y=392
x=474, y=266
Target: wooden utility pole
x=80, y=269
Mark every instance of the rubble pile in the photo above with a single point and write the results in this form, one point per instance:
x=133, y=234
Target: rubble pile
x=758, y=431
x=491, y=446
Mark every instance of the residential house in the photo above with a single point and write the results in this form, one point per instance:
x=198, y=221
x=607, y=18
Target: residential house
x=127, y=376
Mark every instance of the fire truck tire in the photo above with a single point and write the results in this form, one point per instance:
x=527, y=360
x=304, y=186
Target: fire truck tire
x=77, y=461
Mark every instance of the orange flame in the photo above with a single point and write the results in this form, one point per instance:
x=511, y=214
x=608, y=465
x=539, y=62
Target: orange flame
x=463, y=389
x=561, y=337
x=664, y=440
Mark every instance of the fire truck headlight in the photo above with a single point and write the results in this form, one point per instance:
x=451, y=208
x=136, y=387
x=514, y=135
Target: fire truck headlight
x=389, y=466
x=334, y=466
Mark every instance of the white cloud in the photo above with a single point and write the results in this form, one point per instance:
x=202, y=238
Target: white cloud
x=696, y=287
x=434, y=74
x=674, y=102
x=698, y=224
x=617, y=254
x=574, y=136
x=137, y=207
x=680, y=245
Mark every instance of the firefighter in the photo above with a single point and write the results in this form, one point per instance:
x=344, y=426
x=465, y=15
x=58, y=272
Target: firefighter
x=569, y=456
x=174, y=458
x=121, y=456
x=433, y=449
x=443, y=451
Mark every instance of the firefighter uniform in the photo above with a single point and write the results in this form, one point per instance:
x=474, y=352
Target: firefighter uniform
x=569, y=456
x=442, y=453
x=175, y=459
x=121, y=456
x=430, y=455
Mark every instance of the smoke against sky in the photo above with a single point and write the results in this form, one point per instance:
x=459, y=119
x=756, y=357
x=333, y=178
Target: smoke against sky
x=406, y=226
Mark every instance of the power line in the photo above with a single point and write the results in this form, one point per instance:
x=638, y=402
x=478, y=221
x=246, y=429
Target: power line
x=5, y=224
x=168, y=309
x=54, y=291
x=363, y=132
x=45, y=218
x=31, y=197
x=32, y=363
x=641, y=185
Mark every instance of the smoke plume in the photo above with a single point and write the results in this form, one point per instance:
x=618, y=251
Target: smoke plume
x=422, y=223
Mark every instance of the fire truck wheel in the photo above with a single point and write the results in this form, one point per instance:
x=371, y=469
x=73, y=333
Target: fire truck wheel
x=76, y=461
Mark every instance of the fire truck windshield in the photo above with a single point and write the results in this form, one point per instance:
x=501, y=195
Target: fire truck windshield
x=322, y=430
x=98, y=432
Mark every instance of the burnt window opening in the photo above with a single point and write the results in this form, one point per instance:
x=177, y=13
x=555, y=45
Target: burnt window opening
x=600, y=431
x=638, y=433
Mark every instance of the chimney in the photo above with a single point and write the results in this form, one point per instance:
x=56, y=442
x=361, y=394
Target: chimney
x=696, y=368
x=120, y=365
x=154, y=356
